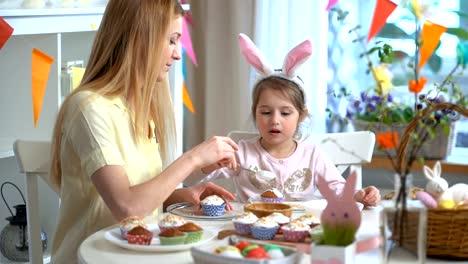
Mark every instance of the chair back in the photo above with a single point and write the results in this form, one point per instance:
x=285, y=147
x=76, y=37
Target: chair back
x=346, y=150
x=33, y=158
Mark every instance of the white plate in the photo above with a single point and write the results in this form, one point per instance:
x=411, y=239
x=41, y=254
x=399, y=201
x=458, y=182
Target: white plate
x=113, y=236
x=187, y=210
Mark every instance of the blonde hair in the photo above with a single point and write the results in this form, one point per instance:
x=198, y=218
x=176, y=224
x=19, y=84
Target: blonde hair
x=125, y=60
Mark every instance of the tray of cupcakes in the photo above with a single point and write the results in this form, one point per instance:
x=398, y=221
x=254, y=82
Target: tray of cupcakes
x=172, y=233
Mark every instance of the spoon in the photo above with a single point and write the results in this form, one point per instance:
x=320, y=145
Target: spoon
x=264, y=174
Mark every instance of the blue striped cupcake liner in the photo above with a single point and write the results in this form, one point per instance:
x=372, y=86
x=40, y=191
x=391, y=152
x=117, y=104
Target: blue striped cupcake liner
x=213, y=210
x=264, y=233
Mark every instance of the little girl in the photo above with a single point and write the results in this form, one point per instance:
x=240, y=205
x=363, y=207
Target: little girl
x=278, y=106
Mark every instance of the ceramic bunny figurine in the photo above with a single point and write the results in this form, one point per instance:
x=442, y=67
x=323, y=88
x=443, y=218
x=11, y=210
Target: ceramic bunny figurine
x=436, y=185
x=341, y=217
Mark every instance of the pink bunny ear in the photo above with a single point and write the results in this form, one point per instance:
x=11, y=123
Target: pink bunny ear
x=296, y=57
x=253, y=55
x=326, y=192
x=350, y=186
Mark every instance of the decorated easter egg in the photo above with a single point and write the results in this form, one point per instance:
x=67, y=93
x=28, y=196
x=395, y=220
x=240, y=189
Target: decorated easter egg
x=231, y=253
x=249, y=248
x=427, y=199
x=221, y=249
x=274, y=251
x=241, y=245
x=257, y=253
x=446, y=204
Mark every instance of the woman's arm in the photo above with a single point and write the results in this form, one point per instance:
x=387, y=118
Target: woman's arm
x=124, y=200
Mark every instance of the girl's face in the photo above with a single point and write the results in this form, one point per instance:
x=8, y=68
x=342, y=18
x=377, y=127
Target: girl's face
x=276, y=117
x=172, y=49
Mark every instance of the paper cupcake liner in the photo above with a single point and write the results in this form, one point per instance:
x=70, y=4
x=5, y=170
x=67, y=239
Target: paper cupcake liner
x=243, y=229
x=213, y=210
x=264, y=233
x=140, y=239
x=123, y=233
x=177, y=240
x=193, y=237
x=273, y=200
x=295, y=235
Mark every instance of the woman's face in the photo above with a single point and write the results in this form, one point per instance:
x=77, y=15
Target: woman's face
x=172, y=49
x=276, y=117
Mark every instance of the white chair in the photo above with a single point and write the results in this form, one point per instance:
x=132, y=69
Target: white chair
x=345, y=150
x=33, y=159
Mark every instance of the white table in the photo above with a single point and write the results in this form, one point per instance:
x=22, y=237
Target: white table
x=96, y=249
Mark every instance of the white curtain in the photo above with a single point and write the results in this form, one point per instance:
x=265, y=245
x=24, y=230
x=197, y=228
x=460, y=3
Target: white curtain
x=220, y=86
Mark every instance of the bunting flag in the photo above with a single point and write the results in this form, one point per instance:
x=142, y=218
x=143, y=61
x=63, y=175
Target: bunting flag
x=383, y=9
x=430, y=37
x=187, y=42
x=185, y=95
x=40, y=69
x=187, y=16
x=5, y=32
x=331, y=3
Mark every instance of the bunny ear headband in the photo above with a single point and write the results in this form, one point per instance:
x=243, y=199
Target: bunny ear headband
x=293, y=60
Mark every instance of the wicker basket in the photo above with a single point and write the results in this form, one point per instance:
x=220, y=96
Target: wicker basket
x=447, y=233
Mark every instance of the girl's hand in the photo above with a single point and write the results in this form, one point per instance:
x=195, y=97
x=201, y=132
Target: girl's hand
x=215, y=153
x=369, y=196
x=194, y=194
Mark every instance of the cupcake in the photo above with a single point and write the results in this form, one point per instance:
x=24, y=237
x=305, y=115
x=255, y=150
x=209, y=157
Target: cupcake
x=272, y=196
x=213, y=205
x=128, y=224
x=139, y=236
x=279, y=218
x=170, y=221
x=265, y=228
x=309, y=219
x=243, y=223
x=295, y=231
x=194, y=232
x=172, y=236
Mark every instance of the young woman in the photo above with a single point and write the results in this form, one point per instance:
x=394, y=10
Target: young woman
x=114, y=137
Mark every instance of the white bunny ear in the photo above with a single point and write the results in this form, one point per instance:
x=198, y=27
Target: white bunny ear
x=296, y=57
x=428, y=172
x=253, y=55
x=437, y=169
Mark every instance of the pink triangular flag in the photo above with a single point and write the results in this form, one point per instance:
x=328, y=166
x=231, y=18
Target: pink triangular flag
x=5, y=32
x=331, y=3
x=187, y=42
x=430, y=37
x=382, y=11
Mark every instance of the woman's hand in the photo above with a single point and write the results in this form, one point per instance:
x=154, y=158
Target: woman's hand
x=194, y=194
x=215, y=153
x=369, y=196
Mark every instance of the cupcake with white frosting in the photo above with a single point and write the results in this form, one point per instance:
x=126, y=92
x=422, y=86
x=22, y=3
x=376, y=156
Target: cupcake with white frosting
x=272, y=195
x=309, y=219
x=170, y=221
x=213, y=205
x=243, y=223
x=281, y=219
x=295, y=231
x=265, y=228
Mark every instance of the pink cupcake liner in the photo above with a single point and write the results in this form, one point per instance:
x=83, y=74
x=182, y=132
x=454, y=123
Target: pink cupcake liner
x=295, y=235
x=273, y=200
x=243, y=229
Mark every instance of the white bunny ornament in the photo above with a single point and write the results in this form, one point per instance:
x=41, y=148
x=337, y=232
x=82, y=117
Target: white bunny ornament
x=436, y=185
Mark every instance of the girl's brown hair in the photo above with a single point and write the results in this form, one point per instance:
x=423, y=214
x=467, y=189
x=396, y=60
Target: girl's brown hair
x=288, y=88
x=124, y=62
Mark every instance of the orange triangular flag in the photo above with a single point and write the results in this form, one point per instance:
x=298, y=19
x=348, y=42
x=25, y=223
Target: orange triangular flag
x=383, y=9
x=430, y=37
x=40, y=69
x=186, y=98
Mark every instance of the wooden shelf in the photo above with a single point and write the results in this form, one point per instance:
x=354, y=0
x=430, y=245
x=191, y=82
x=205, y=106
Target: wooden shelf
x=453, y=164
